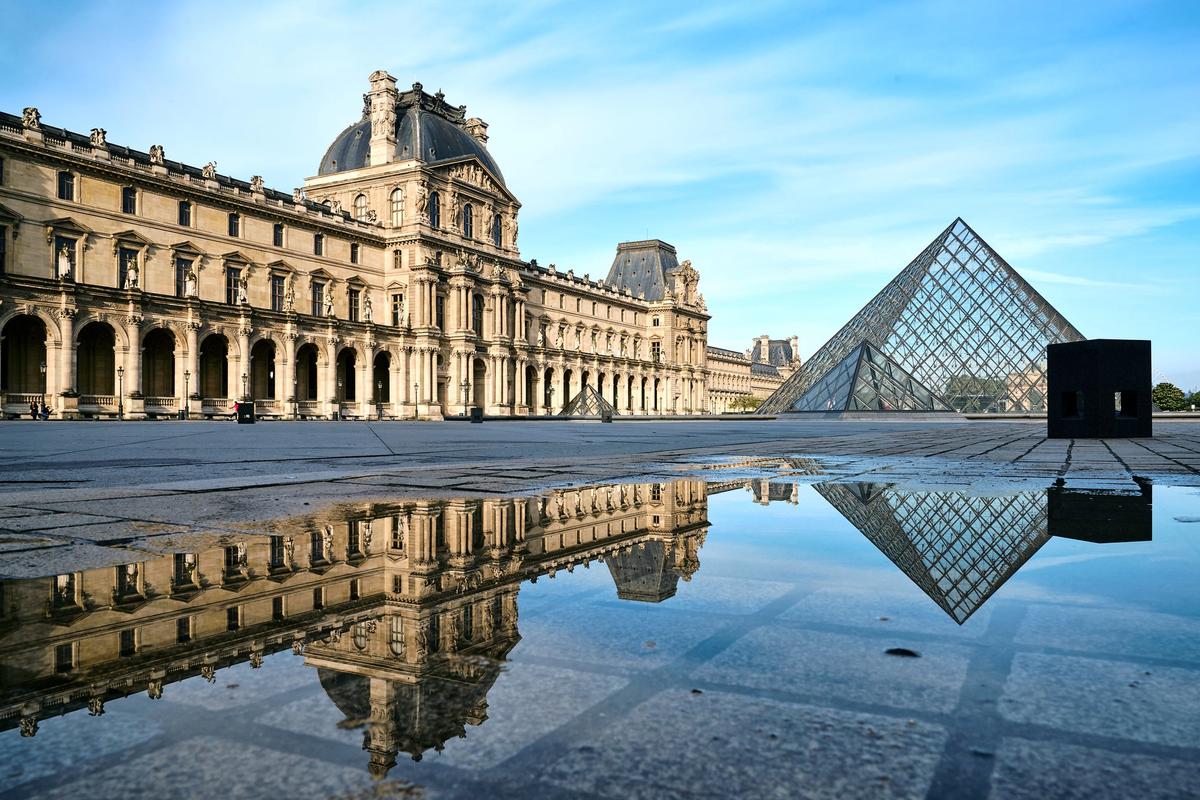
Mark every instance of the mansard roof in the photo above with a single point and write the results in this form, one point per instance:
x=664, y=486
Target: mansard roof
x=642, y=268
x=428, y=130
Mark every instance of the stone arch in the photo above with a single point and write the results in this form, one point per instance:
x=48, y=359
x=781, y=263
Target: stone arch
x=25, y=349
x=53, y=331
x=214, y=360
x=347, y=362
x=120, y=335
x=310, y=360
x=381, y=375
x=160, y=350
x=479, y=379
x=264, y=368
x=96, y=345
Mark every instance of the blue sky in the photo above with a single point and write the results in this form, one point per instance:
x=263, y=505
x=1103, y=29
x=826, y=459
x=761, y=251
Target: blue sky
x=799, y=153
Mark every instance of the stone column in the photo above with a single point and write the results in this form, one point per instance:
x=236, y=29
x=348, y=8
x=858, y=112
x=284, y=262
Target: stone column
x=330, y=376
x=286, y=370
x=193, y=364
x=243, y=387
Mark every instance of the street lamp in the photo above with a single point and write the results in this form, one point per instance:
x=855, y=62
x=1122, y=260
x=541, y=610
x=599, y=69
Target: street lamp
x=550, y=405
x=465, y=385
x=120, y=392
x=379, y=400
x=416, y=396
x=245, y=390
x=337, y=412
x=296, y=398
x=183, y=412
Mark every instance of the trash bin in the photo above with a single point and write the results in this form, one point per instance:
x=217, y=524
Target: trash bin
x=606, y=416
x=476, y=414
x=245, y=413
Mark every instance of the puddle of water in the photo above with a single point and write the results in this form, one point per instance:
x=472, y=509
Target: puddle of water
x=740, y=638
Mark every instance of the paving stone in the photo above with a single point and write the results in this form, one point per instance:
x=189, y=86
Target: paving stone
x=1029, y=770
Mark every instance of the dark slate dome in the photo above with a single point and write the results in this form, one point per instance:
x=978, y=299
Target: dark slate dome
x=420, y=133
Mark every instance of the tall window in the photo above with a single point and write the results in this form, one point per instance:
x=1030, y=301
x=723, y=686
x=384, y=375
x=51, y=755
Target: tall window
x=397, y=301
x=468, y=222
x=277, y=290
x=3, y=248
x=318, y=244
x=318, y=598
x=397, y=201
x=360, y=208
x=435, y=210
x=64, y=658
x=128, y=645
x=128, y=200
x=235, y=224
x=353, y=296
x=318, y=299
x=354, y=252
x=233, y=277
x=477, y=314
x=126, y=258
x=182, y=267
x=655, y=352
x=233, y=618
x=185, y=213
x=278, y=612
x=277, y=234
x=1, y=170
x=183, y=630
x=439, y=312
x=276, y=556
x=66, y=186
x=397, y=533
x=496, y=232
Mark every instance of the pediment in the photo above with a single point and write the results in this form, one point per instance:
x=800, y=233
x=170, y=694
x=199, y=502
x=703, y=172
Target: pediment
x=67, y=225
x=320, y=274
x=187, y=247
x=8, y=214
x=397, y=285
x=237, y=255
x=356, y=280
x=279, y=265
x=472, y=172
x=131, y=237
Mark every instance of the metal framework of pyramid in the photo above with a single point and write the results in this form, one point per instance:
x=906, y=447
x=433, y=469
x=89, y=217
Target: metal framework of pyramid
x=960, y=321
x=959, y=549
x=588, y=403
x=867, y=380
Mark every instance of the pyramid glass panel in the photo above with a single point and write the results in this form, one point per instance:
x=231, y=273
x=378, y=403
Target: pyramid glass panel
x=957, y=548
x=588, y=403
x=960, y=321
x=867, y=380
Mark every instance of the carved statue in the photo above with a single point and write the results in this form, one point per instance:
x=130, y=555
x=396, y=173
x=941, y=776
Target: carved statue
x=541, y=336
x=31, y=119
x=64, y=262
x=98, y=137
x=497, y=271
x=422, y=200
x=29, y=725
x=154, y=689
x=256, y=183
x=403, y=312
x=96, y=707
x=209, y=673
x=157, y=154
x=455, y=202
x=335, y=206
x=512, y=224
x=366, y=308
x=372, y=216
x=210, y=171
x=422, y=639
x=297, y=196
x=289, y=549
x=578, y=339
x=131, y=275
x=289, y=296
x=595, y=347
x=189, y=283
x=329, y=302
x=558, y=339
x=241, y=292
x=327, y=540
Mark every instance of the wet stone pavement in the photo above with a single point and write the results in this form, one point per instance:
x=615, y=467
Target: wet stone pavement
x=752, y=609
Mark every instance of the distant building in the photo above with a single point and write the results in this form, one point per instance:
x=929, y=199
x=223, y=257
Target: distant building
x=737, y=377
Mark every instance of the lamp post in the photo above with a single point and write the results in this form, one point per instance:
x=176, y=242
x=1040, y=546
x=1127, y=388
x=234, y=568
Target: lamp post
x=337, y=402
x=245, y=387
x=465, y=385
x=550, y=404
x=379, y=400
x=120, y=392
x=416, y=400
x=187, y=398
x=43, y=369
x=296, y=398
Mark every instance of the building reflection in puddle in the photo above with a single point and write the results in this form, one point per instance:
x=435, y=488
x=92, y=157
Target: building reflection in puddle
x=408, y=610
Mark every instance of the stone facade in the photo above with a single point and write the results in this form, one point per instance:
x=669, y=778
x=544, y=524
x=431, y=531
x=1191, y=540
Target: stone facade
x=391, y=284
x=735, y=379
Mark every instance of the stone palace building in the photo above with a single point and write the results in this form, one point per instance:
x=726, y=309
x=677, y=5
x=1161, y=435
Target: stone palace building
x=390, y=284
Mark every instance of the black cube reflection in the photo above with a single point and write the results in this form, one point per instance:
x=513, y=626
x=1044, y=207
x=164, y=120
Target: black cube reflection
x=1098, y=389
x=1100, y=517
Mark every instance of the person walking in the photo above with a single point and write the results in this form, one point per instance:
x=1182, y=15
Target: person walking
x=33, y=410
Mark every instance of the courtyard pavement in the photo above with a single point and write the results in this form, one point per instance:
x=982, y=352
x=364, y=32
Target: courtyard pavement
x=72, y=492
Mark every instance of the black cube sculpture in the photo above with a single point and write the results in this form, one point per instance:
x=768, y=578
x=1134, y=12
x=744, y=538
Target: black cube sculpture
x=1098, y=389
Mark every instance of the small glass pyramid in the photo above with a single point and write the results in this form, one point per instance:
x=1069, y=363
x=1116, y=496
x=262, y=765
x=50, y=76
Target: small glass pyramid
x=588, y=403
x=867, y=380
x=959, y=320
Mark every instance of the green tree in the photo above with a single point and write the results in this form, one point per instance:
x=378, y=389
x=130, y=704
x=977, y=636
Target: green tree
x=1168, y=397
x=746, y=403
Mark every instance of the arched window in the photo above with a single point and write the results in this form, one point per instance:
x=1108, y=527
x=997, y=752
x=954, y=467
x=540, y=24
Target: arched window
x=435, y=210
x=468, y=221
x=496, y=230
x=397, y=208
x=360, y=208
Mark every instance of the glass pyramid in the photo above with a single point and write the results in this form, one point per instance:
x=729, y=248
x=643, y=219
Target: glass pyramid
x=959, y=320
x=959, y=549
x=867, y=380
x=588, y=403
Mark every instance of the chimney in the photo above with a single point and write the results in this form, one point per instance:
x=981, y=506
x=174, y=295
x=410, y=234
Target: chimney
x=763, y=344
x=795, y=348
x=381, y=101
